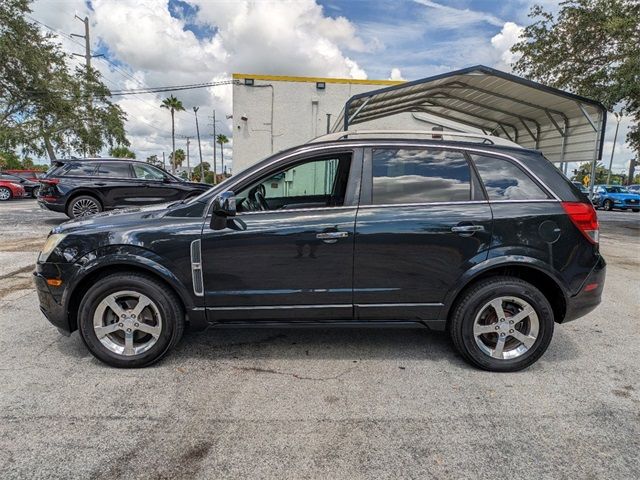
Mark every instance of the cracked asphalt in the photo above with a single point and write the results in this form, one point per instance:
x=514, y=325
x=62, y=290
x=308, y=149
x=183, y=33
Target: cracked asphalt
x=318, y=403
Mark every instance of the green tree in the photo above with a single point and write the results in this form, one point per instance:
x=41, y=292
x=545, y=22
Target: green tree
x=591, y=48
x=44, y=107
x=173, y=105
x=121, y=152
x=179, y=158
x=198, y=168
x=221, y=139
x=153, y=160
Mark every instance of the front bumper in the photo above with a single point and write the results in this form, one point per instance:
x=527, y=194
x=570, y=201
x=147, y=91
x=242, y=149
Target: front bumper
x=54, y=301
x=590, y=295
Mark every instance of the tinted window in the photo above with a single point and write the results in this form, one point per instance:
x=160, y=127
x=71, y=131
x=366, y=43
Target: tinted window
x=80, y=169
x=419, y=176
x=147, y=172
x=504, y=180
x=114, y=170
x=313, y=183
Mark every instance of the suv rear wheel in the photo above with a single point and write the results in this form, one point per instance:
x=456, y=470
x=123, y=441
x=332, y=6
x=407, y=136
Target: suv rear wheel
x=502, y=324
x=83, y=206
x=130, y=320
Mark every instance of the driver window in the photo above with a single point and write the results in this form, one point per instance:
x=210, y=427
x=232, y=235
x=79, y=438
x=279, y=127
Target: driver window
x=147, y=172
x=313, y=183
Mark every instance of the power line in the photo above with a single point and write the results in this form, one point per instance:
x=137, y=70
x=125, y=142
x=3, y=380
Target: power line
x=173, y=88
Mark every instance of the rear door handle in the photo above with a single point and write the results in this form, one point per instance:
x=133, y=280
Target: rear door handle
x=467, y=228
x=331, y=237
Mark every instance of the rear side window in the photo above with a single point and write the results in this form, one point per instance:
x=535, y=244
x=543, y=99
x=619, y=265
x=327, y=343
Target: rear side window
x=504, y=180
x=114, y=170
x=419, y=176
x=79, y=169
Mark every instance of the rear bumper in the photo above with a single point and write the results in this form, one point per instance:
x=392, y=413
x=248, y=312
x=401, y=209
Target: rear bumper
x=590, y=295
x=56, y=205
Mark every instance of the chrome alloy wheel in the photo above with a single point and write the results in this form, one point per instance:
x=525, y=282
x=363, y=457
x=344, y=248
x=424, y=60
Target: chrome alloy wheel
x=85, y=207
x=127, y=323
x=506, y=328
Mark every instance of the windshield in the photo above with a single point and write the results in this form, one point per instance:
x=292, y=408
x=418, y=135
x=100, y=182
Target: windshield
x=204, y=194
x=617, y=190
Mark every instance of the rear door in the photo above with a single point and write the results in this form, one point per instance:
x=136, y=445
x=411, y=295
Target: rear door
x=423, y=221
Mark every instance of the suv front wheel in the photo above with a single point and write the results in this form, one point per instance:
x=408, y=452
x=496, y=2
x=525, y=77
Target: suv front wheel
x=130, y=320
x=502, y=324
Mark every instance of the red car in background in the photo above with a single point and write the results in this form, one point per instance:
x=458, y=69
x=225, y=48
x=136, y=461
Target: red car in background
x=33, y=175
x=9, y=190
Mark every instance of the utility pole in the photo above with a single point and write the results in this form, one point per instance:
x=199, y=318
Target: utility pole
x=613, y=148
x=164, y=164
x=188, y=164
x=215, y=163
x=195, y=111
x=87, y=58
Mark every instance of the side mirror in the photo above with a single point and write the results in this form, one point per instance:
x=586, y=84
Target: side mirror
x=223, y=207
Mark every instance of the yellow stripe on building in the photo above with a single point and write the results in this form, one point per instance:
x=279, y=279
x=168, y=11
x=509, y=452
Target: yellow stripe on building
x=287, y=78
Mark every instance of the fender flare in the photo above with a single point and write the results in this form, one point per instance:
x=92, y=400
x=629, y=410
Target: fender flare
x=499, y=262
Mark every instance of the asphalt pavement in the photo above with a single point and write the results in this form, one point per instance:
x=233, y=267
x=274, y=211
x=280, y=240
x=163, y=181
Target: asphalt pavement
x=318, y=403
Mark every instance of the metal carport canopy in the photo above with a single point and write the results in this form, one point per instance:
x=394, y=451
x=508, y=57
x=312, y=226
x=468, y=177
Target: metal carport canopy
x=564, y=126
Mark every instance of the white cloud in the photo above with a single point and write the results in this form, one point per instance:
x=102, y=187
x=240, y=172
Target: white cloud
x=503, y=41
x=447, y=17
x=395, y=74
x=157, y=49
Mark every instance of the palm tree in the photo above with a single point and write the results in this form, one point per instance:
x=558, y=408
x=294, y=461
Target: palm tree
x=173, y=105
x=221, y=139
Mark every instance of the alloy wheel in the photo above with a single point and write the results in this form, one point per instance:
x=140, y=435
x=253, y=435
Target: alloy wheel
x=85, y=207
x=506, y=328
x=5, y=194
x=127, y=323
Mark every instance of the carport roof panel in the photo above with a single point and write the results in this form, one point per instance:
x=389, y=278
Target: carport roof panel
x=564, y=126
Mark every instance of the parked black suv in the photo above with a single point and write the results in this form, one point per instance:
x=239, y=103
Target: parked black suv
x=86, y=187
x=492, y=244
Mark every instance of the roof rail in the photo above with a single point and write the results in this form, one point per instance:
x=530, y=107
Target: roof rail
x=434, y=134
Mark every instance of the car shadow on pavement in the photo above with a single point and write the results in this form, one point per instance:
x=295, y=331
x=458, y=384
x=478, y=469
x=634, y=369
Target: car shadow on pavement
x=345, y=343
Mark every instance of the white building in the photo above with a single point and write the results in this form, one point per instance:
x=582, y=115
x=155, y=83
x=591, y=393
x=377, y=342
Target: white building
x=272, y=113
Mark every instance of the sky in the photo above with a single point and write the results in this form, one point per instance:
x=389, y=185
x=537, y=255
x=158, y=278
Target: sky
x=160, y=43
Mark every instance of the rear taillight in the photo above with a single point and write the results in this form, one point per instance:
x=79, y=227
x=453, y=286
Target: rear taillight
x=583, y=216
x=49, y=181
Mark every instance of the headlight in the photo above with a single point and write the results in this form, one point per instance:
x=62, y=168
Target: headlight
x=52, y=242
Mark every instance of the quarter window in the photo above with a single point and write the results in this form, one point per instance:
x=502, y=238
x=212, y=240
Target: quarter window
x=419, y=176
x=83, y=169
x=504, y=180
x=114, y=170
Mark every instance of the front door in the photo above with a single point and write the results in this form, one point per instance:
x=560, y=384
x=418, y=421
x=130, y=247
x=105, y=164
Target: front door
x=292, y=257
x=155, y=185
x=422, y=222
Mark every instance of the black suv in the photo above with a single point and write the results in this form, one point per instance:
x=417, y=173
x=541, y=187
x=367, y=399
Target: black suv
x=492, y=244
x=86, y=187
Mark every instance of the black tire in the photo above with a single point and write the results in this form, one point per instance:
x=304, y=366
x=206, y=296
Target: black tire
x=474, y=300
x=79, y=200
x=5, y=194
x=608, y=205
x=636, y=210
x=167, y=303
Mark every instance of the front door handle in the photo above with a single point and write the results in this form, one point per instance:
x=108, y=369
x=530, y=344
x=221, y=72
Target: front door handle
x=467, y=229
x=331, y=237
